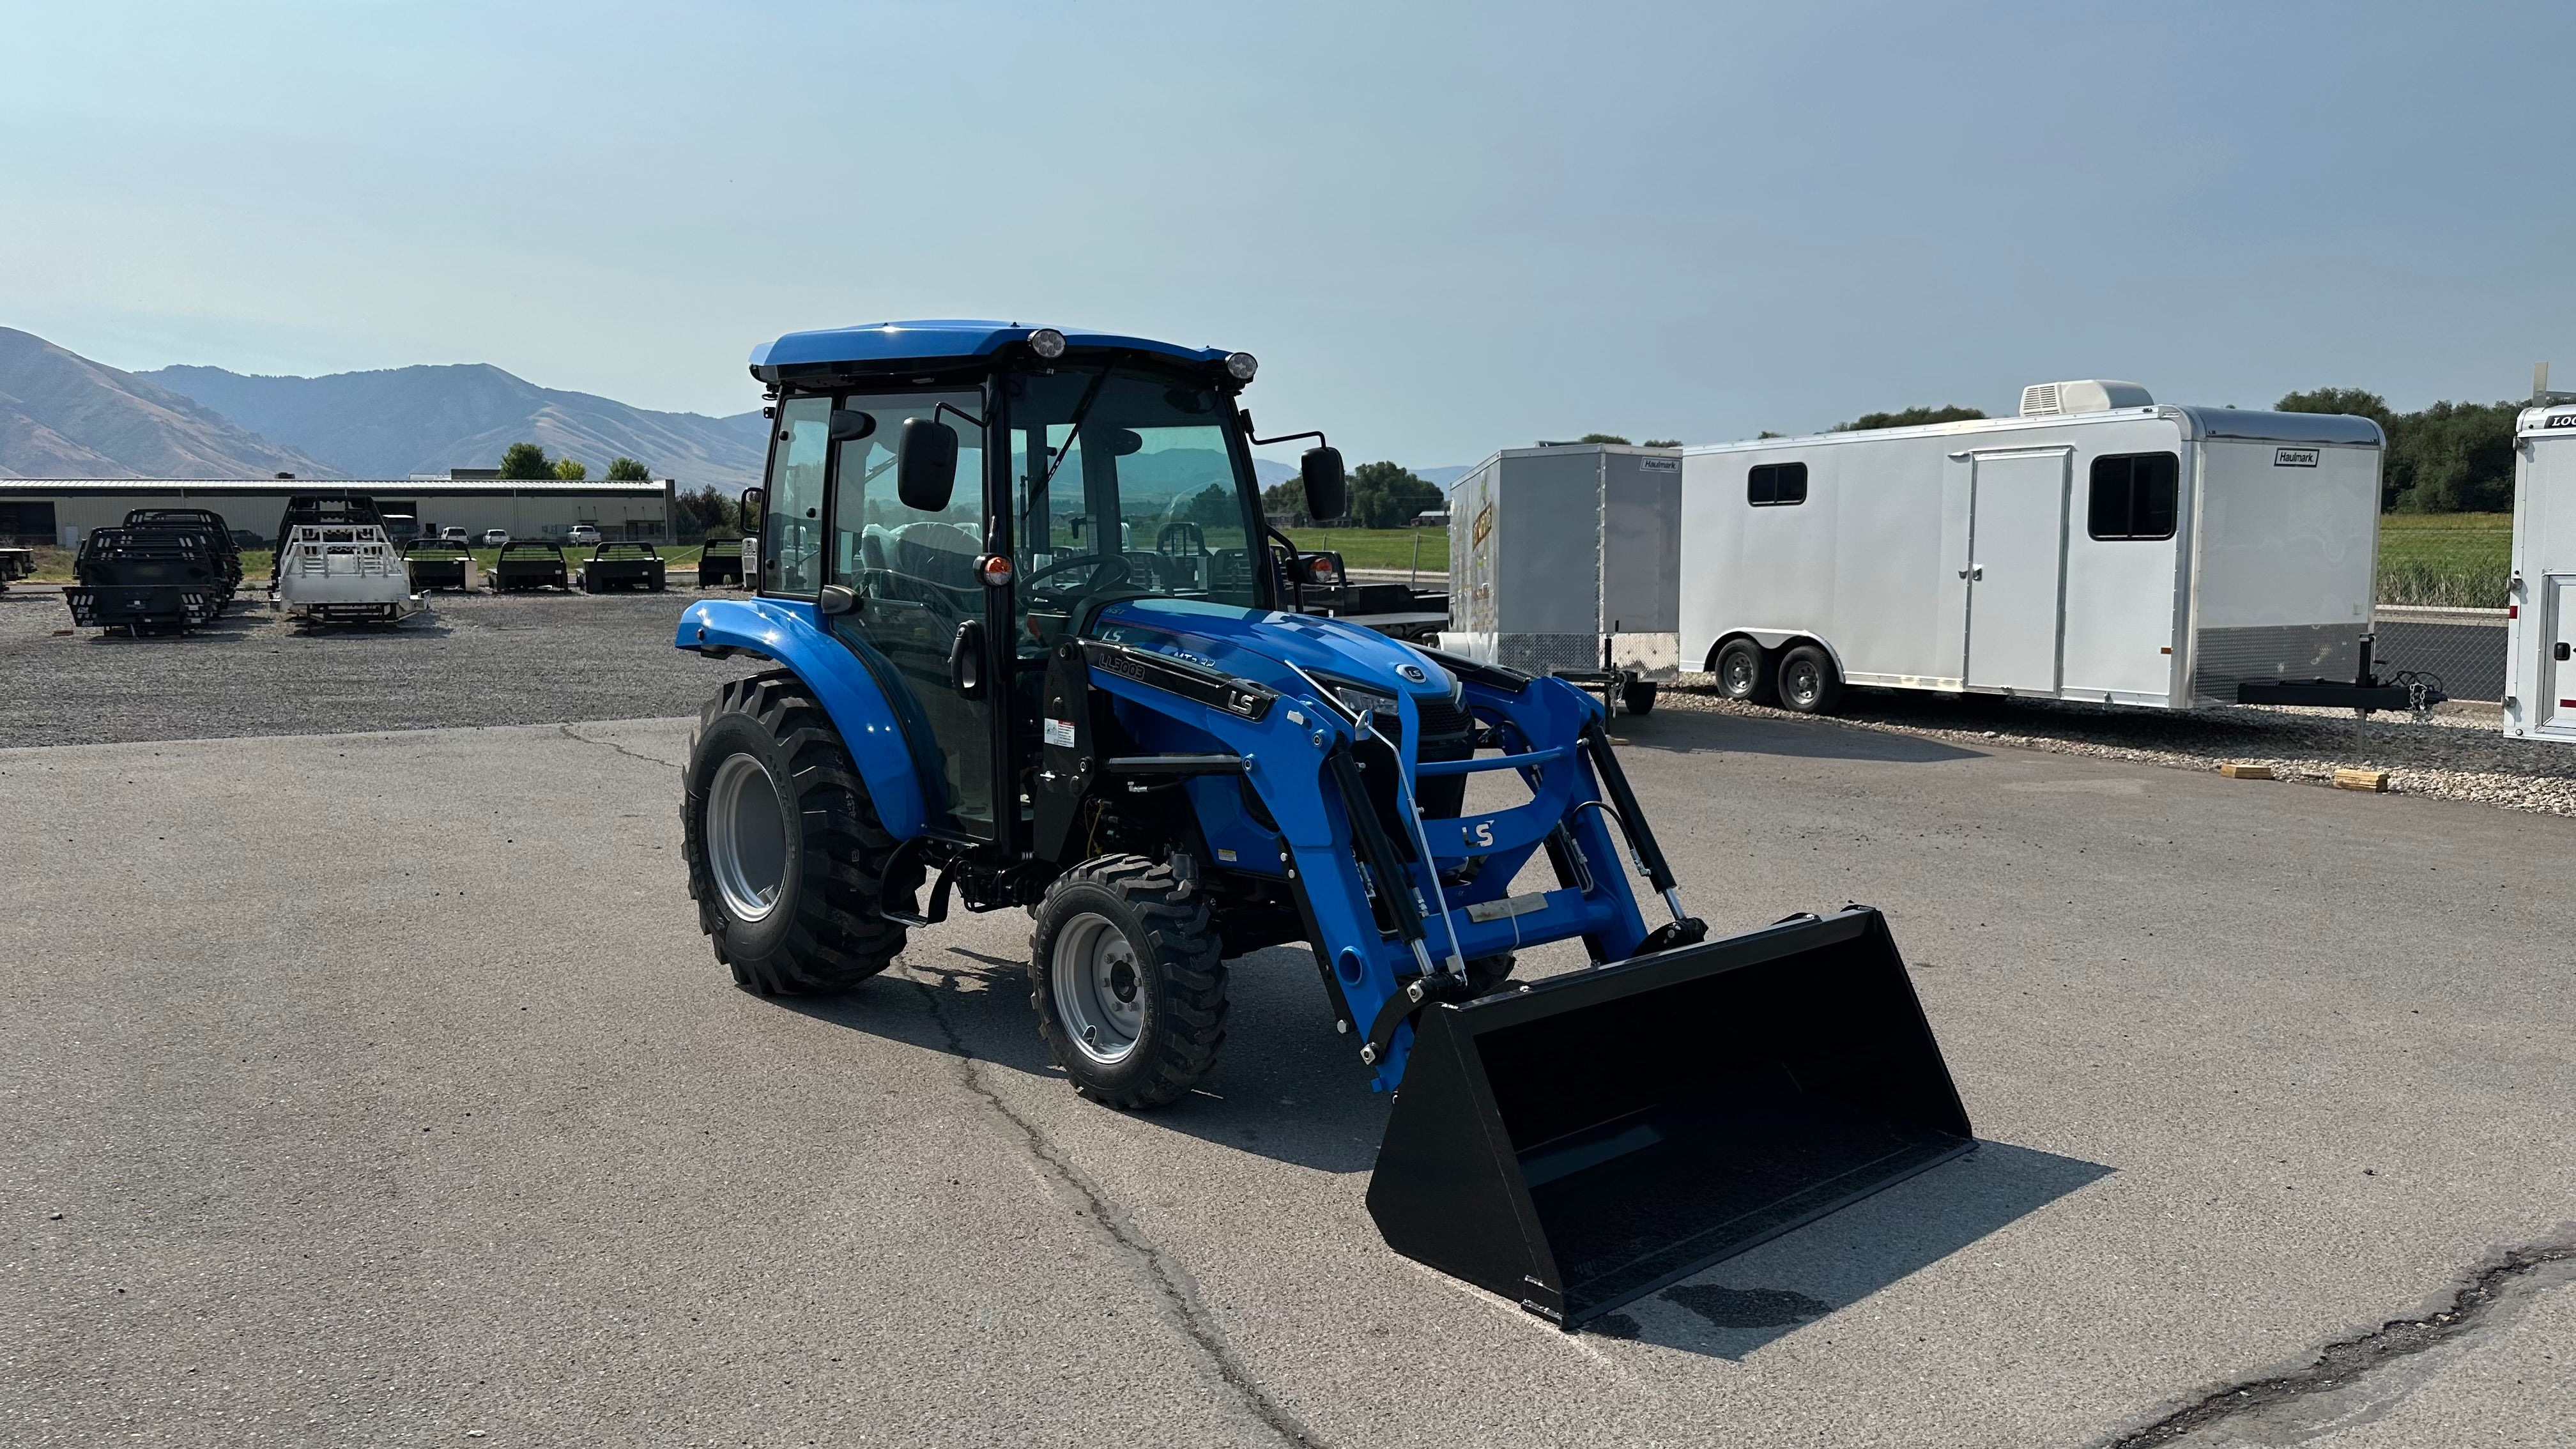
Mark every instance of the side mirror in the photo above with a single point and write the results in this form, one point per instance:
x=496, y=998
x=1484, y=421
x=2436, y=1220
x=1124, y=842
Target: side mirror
x=848, y=425
x=1327, y=493
x=837, y=599
x=754, y=500
x=925, y=469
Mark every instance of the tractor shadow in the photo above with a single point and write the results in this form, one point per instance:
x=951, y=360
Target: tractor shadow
x=1776, y=1288
x=1286, y=1086
x=1687, y=732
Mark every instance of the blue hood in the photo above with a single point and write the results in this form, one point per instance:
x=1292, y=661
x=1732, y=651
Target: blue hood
x=1258, y=644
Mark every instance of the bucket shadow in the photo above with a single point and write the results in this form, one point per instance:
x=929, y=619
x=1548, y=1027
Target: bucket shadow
x=1690, y=732
x=1778, y=1287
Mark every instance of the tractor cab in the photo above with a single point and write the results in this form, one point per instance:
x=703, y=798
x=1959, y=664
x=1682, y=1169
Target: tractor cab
x=958, y=498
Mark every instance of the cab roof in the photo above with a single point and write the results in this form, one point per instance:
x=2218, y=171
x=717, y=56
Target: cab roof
x=877, y=344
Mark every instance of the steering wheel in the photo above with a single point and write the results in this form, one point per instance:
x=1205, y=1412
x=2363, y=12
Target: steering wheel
x=1101, y=561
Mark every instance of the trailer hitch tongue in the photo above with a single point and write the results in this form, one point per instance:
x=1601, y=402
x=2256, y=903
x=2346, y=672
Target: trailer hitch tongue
x=1589, y=1139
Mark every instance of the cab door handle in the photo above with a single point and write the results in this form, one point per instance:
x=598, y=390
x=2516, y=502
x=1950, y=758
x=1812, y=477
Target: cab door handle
x=966, y=660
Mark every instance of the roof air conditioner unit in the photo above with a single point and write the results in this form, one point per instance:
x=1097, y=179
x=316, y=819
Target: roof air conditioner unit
x=2059, y=399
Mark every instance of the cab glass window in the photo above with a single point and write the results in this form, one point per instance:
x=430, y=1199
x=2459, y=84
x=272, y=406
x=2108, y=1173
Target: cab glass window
x=791, y=518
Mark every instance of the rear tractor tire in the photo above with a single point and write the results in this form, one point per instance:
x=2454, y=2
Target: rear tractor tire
x=786, y=857
x=1127, y=981
x=1744, y=673
x=1809, y=683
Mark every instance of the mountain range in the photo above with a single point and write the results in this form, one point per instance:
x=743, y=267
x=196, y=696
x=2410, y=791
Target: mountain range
x=64, y=416
x=406, y=420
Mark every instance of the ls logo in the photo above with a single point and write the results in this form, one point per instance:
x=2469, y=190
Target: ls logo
x=1480, y=833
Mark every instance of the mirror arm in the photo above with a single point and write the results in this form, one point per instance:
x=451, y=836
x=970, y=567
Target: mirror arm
x=1317, y=434
x=968, y=418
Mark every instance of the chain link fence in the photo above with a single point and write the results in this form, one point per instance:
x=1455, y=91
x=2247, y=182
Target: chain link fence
x=2461, y=648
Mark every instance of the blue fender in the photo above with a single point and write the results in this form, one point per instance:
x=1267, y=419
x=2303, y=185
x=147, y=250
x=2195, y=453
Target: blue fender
x=789, y=634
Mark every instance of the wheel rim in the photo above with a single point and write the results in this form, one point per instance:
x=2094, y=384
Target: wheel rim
x=1738, y=676
x=1801, y=682
x=746, y=837
x=1099, y=992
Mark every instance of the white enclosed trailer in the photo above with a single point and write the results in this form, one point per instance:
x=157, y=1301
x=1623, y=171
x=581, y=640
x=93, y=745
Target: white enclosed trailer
x=2100, y=547
x=2540, y=602
x=1562, y=561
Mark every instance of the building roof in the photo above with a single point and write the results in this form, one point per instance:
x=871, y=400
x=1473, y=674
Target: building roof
x=434, y=487
x=950, y=337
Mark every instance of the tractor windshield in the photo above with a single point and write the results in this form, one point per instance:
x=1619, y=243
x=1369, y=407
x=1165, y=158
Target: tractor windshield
x=1126, y=481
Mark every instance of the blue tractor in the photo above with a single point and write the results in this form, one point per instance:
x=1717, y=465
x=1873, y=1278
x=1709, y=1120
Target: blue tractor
x=1035, y=646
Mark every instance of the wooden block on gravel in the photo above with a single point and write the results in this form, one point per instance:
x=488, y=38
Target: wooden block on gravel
x=2246, y=772
x=2361, y=780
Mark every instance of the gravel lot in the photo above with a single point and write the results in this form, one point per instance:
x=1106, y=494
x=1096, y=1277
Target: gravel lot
x=2458, y=754
x=473, y=659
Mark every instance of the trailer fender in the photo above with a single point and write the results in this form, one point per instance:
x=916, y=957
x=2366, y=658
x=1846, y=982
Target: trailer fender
x=1772, y=641
x=787, y=633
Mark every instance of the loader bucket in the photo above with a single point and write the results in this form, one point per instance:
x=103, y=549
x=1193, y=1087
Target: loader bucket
x=1588, y=1139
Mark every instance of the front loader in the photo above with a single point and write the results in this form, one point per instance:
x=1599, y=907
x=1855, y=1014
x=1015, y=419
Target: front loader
x=986, y=688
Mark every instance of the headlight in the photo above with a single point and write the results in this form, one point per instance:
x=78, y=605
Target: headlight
x=1241, y=365
x=1047, y=343
x=1359, y=699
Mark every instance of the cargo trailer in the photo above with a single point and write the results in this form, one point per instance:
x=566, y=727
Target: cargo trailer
x=2099, y=547
x=1562, y=562
x=2540, y=598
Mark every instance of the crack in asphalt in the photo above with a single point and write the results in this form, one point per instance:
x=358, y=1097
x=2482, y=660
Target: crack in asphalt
x=568, y=733
x=1171, y=1281
x=2339, y=1364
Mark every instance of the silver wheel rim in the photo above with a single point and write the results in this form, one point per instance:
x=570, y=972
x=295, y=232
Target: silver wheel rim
x=1739, y=674
x=746, y=838
x=1099, y=990
x=1802, y=683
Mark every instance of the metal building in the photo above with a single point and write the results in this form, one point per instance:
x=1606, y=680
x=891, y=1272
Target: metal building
x=60, y=511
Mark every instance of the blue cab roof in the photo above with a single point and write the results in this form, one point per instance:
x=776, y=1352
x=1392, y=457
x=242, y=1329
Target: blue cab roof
x=938, y=338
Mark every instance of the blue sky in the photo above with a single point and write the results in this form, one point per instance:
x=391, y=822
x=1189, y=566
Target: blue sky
x=1443, y=228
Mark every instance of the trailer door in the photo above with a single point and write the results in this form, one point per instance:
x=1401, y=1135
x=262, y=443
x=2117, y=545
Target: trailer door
x=2557, y=702
x=2017, y=569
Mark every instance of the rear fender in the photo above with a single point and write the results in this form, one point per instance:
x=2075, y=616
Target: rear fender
x=789, y=634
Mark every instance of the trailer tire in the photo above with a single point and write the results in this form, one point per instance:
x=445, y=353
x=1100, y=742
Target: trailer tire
x=791, y=814
x=1127, y=981
x=1639, y=697
x=1809, y=683
x=1743, y=672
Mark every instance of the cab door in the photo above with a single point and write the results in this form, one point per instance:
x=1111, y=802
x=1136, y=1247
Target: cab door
x=922, y=624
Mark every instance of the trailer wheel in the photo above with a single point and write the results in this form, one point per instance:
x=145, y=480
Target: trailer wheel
x=1638, y=697
x=1808, y=683
x=1125, y=976
x=786, y=857
x=1742, y=673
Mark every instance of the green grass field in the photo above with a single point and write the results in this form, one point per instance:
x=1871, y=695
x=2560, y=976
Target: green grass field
x=2451, y=560
x=1379, y=548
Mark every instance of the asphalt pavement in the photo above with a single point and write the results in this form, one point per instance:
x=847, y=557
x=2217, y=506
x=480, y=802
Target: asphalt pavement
x=378, y=1089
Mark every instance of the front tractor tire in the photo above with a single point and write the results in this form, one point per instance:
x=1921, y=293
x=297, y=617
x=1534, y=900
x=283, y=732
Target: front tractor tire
x=1127, y=982
x=787, y=860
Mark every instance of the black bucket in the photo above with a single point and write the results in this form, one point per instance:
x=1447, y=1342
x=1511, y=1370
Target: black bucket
x=1586, y=1141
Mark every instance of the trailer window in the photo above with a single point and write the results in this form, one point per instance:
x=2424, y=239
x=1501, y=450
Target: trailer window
x=2135, y=495
x=1772, y=485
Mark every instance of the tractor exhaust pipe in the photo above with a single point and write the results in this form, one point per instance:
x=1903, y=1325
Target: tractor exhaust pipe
x=1596, y=1136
